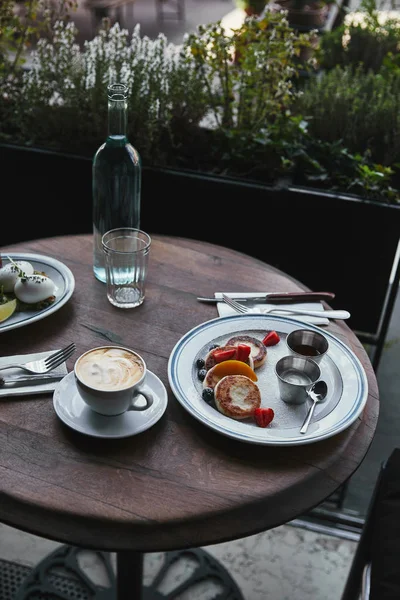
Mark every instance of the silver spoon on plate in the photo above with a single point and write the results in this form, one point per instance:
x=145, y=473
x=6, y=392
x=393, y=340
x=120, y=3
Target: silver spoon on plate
x=317, y=394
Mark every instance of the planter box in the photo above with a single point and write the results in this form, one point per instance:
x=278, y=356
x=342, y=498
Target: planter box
x=327, y=241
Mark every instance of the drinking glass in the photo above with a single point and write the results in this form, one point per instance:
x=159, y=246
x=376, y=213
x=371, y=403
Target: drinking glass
x=126, y=252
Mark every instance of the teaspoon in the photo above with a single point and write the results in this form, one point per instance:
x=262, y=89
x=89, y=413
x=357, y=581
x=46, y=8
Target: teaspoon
x=317, y=393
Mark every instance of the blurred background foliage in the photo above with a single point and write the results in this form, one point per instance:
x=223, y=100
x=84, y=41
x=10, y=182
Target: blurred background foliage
x=263, y=102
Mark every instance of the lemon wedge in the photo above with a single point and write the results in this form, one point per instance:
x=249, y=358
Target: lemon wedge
x=7, y=309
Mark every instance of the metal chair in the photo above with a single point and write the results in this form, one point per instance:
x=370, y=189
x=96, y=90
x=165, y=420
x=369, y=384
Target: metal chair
x=375, y=573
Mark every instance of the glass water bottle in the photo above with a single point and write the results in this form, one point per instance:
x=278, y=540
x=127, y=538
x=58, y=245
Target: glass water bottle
x=116, y=178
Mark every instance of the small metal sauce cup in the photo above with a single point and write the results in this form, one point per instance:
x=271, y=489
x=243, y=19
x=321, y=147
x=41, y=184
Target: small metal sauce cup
x=307, y=343
x=296, y=375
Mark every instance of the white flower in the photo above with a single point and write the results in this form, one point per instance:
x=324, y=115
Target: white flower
x=56, y=100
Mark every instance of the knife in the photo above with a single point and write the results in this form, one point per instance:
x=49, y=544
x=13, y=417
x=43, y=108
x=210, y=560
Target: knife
x=34, y=378
x=278, y=297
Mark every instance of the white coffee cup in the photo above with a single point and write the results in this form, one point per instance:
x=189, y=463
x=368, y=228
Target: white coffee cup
x=110, y=380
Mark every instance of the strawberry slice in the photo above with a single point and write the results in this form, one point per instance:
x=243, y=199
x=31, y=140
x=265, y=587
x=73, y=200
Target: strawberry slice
x=263, y=416
x=271, y=339
x=243, y=352
x=222, y=355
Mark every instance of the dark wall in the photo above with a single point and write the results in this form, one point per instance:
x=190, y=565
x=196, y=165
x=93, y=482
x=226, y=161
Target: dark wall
x=47, y=195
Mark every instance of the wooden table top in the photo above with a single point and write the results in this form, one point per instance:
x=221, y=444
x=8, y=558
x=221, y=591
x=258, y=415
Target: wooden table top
x=179, y=484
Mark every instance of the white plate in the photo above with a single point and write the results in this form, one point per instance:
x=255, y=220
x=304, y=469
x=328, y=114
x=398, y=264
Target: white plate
x=340, y=368
x=72, y=410
x=58, y=272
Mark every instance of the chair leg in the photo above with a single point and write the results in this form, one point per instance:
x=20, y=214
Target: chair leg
x=379, y=544
x=363, y=552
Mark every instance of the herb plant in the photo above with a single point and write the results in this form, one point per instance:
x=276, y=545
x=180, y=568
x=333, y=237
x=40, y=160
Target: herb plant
x=63, y=103
x=360, y=109
x=368, y=39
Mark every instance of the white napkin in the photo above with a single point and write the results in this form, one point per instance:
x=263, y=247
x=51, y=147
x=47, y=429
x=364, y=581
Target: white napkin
x=23, y=389
x=224, y=309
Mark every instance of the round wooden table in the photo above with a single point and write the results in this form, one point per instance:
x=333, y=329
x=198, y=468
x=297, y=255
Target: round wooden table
x=179, y=484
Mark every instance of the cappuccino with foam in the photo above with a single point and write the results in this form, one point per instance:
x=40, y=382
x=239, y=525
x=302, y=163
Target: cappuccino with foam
x=111, y=380
x=110, y=368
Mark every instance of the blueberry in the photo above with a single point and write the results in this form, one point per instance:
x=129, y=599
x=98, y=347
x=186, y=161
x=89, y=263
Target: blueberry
x=200, y=363
x=201, y=374
x=208, y=395
x=214, y=346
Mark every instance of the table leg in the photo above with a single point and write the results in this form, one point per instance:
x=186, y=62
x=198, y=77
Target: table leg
x=129, y=575
x=60, y=576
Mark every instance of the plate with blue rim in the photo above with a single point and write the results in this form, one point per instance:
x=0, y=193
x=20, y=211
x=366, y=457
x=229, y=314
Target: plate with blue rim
x=340, y=368
x=64, y=286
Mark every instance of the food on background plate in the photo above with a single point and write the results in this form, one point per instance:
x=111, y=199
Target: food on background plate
x=34, y=288
x=10, y=273
x=23, y=287
x=7, y=309
x=258, y=351
x=237, y=396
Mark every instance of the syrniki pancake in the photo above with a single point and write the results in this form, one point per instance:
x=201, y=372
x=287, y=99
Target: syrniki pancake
x=227, y=367
x=211, y=379
x=236, y=396
x=211, y=362
x=258, y=350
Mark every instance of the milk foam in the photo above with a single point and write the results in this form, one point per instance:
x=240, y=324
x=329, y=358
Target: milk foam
x=110, y=369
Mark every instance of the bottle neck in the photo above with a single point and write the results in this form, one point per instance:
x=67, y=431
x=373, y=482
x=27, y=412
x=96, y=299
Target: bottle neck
x=117, y=118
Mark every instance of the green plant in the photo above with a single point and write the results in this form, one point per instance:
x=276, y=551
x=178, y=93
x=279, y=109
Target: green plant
x=361, y=109
x=367, y=39
x=248, y=76
x=331, y=165
x=21, y=26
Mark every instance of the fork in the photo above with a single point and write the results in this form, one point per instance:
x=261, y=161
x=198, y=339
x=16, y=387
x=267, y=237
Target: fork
x=329, y=314
x=47, y=364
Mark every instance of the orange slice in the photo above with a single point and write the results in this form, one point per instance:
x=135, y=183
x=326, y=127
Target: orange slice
x=234, y=367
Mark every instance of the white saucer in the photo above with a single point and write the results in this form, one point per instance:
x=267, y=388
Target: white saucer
x=72, y=410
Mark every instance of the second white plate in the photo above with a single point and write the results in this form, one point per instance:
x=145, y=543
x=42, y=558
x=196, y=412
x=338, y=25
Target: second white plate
x=58, y=272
